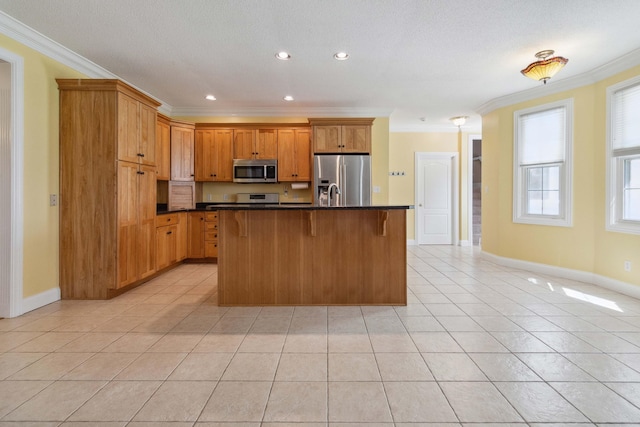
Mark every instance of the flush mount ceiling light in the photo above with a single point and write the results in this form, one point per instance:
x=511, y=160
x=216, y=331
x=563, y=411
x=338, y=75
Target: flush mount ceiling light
x=341, y=56
x=288, y=98
x=546, y=67
x=210, y=97
x=459, y=120
x=283, y=55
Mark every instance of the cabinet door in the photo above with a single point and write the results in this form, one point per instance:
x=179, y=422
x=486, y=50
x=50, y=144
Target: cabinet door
x=356, y=139
x=162, y=248
x=286, y=155
x=163, y=152
x=127, y=223
x=244, y=144
x=267, y=144
x=128, y=128
x=224, y=155
x=147, y=142
x=303, y=154
x=205, y=155
x=195, y=247
x=146, y=233
x=182, y=154
x=326, y=139
x=181, y=237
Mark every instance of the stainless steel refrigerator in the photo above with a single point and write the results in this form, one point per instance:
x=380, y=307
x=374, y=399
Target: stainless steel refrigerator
x=342, y=179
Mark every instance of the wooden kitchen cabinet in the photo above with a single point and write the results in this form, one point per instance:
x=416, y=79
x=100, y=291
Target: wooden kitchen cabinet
x=107, y=205
x=341, y=135
x=294, y=155
x=163, y=149
x=214, y=155
x=136, y=131
x=171, y=239
x=255, y=144
x=182, y=151
x=211, y=234
x=195, y=231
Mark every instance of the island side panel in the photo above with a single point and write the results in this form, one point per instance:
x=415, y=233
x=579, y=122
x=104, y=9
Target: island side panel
x=295, y=257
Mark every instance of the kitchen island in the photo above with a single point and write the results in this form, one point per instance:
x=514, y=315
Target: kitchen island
x=310, y=255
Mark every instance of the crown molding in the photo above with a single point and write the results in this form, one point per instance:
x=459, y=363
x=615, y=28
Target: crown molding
x=609, y=69
x=281, y=112
x=433, y=129
x=31, y=38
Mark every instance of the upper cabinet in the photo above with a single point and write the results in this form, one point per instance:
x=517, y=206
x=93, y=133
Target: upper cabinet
x=294, y=155
x=136, y=131
x=255, y=144
x=163, y=148
x=341, y=135
x=214, y=155
x=182, y=151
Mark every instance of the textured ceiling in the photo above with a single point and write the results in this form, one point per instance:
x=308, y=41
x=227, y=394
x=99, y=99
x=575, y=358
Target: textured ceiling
x=412, y=59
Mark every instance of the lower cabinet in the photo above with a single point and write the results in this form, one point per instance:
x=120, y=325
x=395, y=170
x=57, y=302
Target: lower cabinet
x=203, y=235
x=171, y=239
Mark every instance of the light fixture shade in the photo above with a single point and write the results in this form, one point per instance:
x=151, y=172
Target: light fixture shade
x=545, y=68
x=459, y=120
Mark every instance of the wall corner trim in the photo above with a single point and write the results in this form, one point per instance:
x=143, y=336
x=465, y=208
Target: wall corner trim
x=40, y=300
x=625, y=288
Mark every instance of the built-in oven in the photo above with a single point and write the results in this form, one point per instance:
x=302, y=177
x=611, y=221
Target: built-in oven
x=255, y=171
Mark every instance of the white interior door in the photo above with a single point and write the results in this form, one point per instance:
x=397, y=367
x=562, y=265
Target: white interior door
x=436, y=189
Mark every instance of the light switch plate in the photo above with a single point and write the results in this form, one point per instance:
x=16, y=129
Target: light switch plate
x=53, y=199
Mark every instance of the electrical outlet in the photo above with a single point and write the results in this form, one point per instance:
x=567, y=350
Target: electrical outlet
x=53, y=199
x=209, y=197
x=627, y=266
x=376, y=189
x=225, y=197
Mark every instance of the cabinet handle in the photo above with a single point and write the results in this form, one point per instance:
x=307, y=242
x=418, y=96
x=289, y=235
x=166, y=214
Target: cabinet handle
x=169, y=232
x=140, y=173
x=140, y=154
x=168, y=219
x=191, y=174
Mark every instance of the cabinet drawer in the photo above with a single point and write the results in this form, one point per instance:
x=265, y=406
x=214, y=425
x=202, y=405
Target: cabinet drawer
x=211, y=216
x=167, y=219
x=210, y=226
x=211, y=249
x=211, y=236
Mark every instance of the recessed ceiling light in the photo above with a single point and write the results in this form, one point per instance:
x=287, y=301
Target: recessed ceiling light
x=341, y=56
x=210, y=97
x=288, y=98
x=283, y=55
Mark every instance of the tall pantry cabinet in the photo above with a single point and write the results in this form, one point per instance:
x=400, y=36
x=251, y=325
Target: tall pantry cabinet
x=107, y=187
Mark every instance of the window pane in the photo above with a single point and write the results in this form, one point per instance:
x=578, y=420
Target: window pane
x=542, y=136
x=534, y=202
x=534, y=180
x=551, y=178
x=631, y=190
x=551, y=203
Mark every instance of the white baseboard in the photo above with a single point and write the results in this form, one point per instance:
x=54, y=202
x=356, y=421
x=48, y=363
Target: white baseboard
x=40, y=300
x=411, y=242
x=567, y=273
x=464, y=243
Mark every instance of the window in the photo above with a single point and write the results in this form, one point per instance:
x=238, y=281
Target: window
x=623, y=157
x=542, y=164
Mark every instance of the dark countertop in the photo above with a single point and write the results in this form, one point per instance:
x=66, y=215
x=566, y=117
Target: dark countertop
x=162, y=209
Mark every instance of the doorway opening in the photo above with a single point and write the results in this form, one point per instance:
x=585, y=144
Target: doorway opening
x=475, y=190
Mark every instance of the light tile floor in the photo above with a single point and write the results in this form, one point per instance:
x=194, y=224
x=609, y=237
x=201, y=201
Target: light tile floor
x=478, y=344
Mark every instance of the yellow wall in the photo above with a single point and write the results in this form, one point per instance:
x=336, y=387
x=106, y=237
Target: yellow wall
x=586, y=246
x=41, y=166
x=402, y=149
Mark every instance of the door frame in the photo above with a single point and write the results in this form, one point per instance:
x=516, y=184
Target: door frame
x=11, y=258
x=470, y=139
x=455, y=192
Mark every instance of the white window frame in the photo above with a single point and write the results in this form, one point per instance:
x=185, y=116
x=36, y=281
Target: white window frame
x=565, y=217
x=614, y=162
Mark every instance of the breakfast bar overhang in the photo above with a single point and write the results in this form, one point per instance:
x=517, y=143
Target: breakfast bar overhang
x=310, y=255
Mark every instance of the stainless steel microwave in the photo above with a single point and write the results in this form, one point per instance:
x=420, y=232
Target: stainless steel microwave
x=255, y=171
